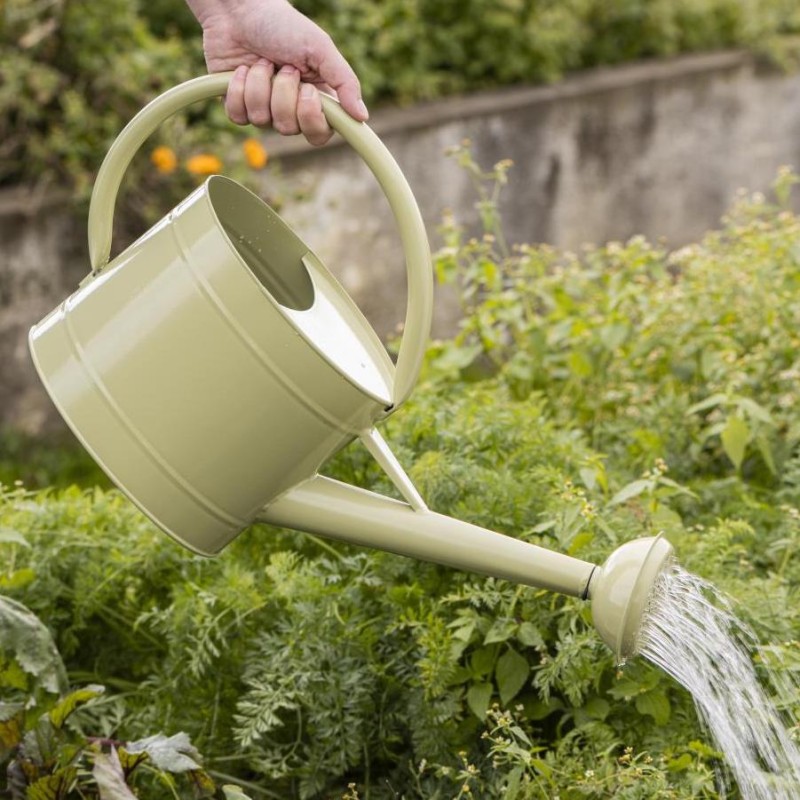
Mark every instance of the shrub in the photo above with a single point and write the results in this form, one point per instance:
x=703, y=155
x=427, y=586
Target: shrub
x=74, y=73
x=587, y=400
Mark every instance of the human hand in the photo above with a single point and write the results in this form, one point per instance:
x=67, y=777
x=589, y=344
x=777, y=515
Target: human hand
x=281, y=59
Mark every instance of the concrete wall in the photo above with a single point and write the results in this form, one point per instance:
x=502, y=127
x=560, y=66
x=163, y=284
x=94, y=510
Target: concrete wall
x=657, y=148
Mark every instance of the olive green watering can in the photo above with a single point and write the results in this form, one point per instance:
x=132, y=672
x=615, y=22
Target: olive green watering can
x=215, y=365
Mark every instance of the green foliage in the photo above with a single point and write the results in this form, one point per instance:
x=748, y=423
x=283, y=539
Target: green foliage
x=75, y=73
x=687, y=356
x=44, y=750
x=586, y=400
x=37, y=462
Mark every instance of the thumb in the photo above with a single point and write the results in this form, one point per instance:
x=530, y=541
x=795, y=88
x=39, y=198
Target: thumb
x=338, y=74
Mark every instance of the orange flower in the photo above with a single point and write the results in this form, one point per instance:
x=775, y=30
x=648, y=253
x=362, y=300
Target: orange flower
x=204, y=164
x=255, y=154
x=164, y=159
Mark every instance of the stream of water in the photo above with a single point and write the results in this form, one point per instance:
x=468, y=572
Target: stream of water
x=691, y=632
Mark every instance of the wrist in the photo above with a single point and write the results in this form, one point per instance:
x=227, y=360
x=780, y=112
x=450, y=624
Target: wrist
x=206, y=10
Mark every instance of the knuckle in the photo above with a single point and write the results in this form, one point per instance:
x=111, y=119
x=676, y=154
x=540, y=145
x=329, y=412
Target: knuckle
x=260, y=119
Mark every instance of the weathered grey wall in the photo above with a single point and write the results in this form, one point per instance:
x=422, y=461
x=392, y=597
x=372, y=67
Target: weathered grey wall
x=42, y=259
x=657, y=148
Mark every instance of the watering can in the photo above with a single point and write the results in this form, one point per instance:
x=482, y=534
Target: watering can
x=215, y=365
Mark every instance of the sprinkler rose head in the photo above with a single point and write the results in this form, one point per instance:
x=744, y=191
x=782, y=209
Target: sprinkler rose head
x=620, y=591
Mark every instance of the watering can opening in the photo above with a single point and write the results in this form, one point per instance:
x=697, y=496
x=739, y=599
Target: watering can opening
x=266, y=244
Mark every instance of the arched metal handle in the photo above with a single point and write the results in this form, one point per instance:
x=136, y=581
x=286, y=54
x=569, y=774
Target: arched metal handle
x=358, y=135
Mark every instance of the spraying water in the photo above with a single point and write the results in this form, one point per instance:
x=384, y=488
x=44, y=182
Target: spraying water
x=691, y=632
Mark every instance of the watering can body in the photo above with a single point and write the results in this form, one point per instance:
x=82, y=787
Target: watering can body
x=198, y=369
x=215, y=365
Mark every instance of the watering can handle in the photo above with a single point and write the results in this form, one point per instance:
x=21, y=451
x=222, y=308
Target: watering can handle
x=358, y=135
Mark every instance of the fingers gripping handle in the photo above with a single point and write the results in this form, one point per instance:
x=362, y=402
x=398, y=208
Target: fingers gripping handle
x=358, y=135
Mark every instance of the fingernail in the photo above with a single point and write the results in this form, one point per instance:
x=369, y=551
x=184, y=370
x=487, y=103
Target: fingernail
x=362, y=109
x=307, y=91
x=288, y=69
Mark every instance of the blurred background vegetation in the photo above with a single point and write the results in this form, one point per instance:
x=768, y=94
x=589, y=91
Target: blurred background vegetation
x=72, y=73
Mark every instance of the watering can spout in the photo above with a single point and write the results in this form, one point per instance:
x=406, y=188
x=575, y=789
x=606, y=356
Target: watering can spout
x=340, y=511
x=619, y=590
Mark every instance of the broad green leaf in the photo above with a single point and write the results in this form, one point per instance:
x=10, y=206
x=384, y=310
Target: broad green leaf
x=665, y=519
x=542, y=767
x=613, y=335
x=42, y=743
x=73, y=700
x=529, y=635
x=765, y=448
x=463, y=628
x=754, y=410
x=513, y=783
x=579, y=364
x=735, y=436
x=169, y=753
x=631, y=490
x=501, y=631
x=540, y=709
x=482, y=661
x=579, y=542
x=24, y=638
x=680, y=764
x=701, y=748
x=597, y=708
x=111, y=784
x=710, y=402
x=511, y=673
x=18, y=579
x=478, y=697
x=11, y=536
x=589, y=477
x=656, y=705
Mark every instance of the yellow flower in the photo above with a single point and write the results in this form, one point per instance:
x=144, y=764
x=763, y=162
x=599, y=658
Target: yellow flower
x=204, y=164
x=164, y=159
x=255, y=154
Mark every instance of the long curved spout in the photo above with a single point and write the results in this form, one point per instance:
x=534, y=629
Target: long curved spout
x=340, y=511
x=619, y=590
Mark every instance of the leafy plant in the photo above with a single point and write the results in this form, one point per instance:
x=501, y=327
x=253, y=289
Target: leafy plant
x=587, y=400
x=74, y=73
x=47, y=755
